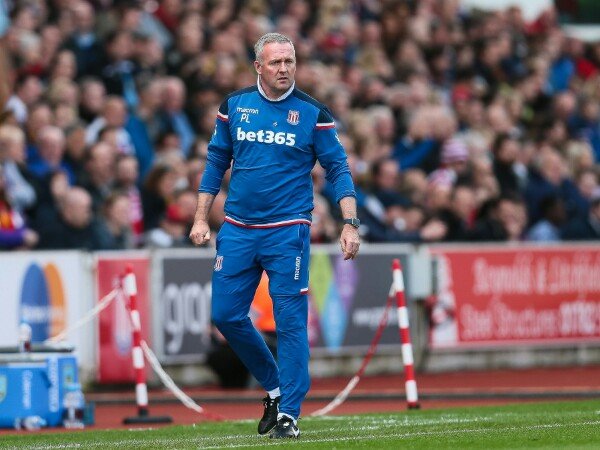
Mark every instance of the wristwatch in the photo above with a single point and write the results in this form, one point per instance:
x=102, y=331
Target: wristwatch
x=353, y=221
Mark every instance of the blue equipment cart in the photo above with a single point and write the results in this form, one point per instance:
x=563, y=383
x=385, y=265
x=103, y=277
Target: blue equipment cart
x=33, y=384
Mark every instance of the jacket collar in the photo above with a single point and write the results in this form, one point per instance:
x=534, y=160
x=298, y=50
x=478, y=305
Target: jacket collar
x=285, y=95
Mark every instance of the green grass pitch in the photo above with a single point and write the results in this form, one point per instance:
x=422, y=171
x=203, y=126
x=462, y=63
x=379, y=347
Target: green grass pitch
x=566, y=425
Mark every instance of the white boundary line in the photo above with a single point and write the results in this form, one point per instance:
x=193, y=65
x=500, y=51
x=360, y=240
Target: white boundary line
x=198, y=440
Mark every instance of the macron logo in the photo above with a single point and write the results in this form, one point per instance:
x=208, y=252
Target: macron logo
x=247, y=110
x=266, y=137
x=297, y=268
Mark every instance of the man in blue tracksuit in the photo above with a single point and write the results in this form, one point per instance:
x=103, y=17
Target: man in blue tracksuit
x=271, y=135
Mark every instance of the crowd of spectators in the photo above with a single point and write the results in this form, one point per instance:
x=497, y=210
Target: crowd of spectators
x=458, y=125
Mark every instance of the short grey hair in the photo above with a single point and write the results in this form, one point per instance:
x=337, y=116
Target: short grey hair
x=268, y=39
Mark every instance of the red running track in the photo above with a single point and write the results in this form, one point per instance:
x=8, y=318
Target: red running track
x=439, y=390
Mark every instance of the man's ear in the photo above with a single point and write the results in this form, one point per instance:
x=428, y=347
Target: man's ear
x=257, y=67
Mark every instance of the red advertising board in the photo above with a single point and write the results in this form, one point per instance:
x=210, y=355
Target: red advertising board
x=115, y=333
x=525, y=295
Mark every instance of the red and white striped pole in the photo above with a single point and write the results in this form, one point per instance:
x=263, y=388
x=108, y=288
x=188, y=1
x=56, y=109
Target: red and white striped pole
x=407, y=351
x=141, y=389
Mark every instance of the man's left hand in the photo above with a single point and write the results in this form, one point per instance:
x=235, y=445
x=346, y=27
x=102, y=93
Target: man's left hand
x=349, y=241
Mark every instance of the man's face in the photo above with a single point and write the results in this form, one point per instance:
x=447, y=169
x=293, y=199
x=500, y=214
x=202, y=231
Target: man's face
x=78, y=209
x=174, y=97
x=463, y=202
x=127, y=171
x=509, y=151
x=101, y=163
x=52, y=148
x=587, y=183
x=388, y=175
x=119, y=212
x=93, y=96
x=276, y=67
x=115, y=113
x=31, y=91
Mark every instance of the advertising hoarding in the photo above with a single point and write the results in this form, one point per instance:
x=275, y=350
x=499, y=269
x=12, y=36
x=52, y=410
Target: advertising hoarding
x=115, y=337
x=347, y=300
x=49, y=291
x=491, y=296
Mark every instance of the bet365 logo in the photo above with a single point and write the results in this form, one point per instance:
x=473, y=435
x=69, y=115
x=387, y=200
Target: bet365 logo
x=266, y=137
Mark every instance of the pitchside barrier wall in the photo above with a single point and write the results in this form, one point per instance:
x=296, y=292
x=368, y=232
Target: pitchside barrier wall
x=347, y=299
x=487, y=306
x=50, y=291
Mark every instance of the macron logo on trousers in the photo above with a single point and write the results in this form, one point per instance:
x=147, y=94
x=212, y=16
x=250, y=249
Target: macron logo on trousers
x=297, y=270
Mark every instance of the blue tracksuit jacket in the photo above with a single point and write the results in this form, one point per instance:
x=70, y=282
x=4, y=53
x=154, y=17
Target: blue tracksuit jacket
x=273, y=146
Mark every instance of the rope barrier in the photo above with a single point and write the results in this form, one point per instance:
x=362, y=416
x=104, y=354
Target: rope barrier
x=397, y=292
x=343, y=395
x=170, y=384
x=102, y=304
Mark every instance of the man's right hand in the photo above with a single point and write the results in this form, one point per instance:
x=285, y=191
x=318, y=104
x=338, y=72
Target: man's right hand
x=200, y=233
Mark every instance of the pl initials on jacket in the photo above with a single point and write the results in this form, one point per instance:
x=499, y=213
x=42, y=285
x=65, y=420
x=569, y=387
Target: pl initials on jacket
x=273, y=145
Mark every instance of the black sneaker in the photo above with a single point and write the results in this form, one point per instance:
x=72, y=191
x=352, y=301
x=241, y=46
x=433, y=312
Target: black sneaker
x=285, y=428
x=269, y=418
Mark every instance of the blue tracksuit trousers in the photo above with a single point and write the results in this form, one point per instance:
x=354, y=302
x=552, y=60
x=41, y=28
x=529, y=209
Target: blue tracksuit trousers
x=284, y=252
